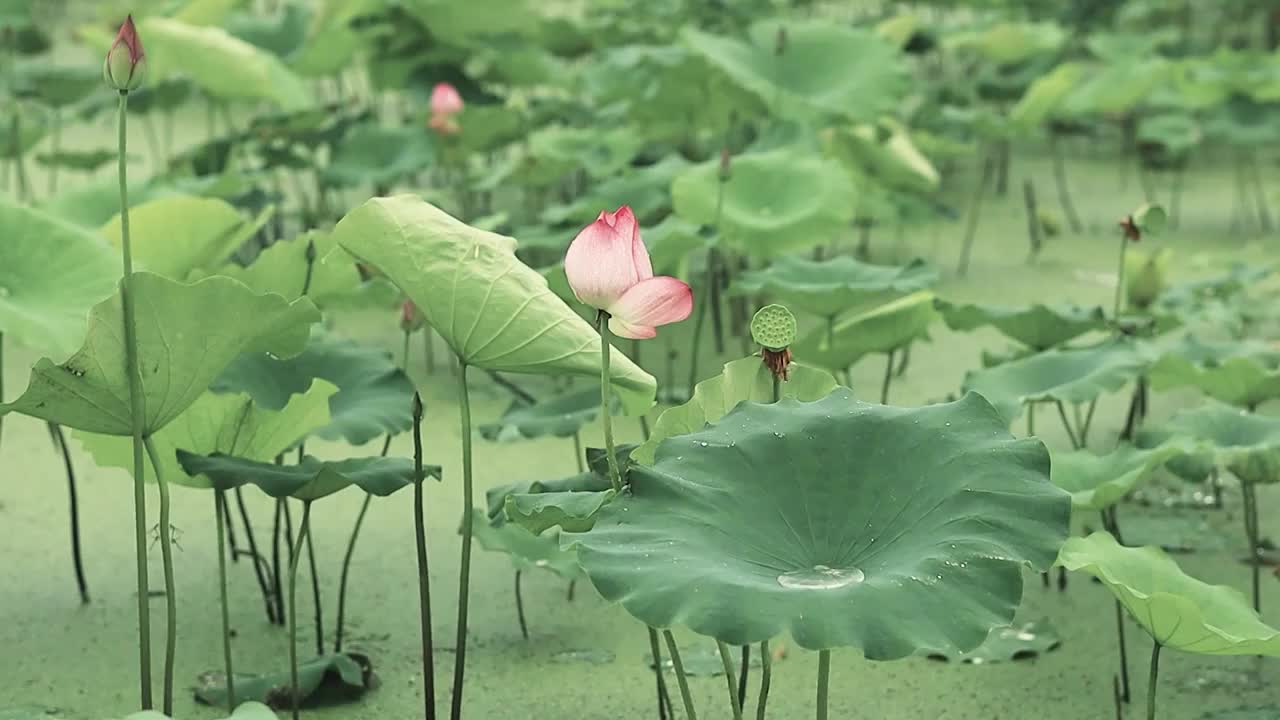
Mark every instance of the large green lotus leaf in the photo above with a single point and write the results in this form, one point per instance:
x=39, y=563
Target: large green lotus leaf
x=51, y=274
x=646, y=190
x=1070, y=376
x=220, y=64
x=879, y=330
x=282, y=34
x=57, y=86
x=95, y=202
x=741, y=380
x=311, y=479
x=527, y=551
x=493, y=310
x=1037, y=326
x=884, y=152
x=1045, y=94
x=1244, y=374
x=1011, y=43
x=336, y=283
x=774, y=202
x=375, y=155
x=829, y=287
x=844, y=523
x=1100, y=481
x=1118, y=87
x=327, y=677
x=561, y=416
x=374, y=398
x=463, y=20
x=230, y=424
x=1178, y=610
x=1175, y=132
x=825, y=67
x=186, y=334
x=332, y=40
x=206, y=12
x=175, y=235
x=1248, y=444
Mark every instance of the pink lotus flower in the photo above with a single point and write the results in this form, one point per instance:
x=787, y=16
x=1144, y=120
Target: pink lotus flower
x=608, y=268
x=445, y=104
x=126, y=64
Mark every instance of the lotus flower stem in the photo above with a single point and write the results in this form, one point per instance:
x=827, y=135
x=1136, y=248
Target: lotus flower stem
x=766, y=675
x=615, y=475
x=429, y=349
x=219, y=506
x=137, y=412
x=975, y=207
x=681, y=679
x=577, y=450
x=727, y=661
x=77, y=559
x=258, y=561
x=1031, y=419
x=1151, y=681
x=294, y=693
x=464, y=573
x=424, y=575
x=888, y=378
x=315, y=595
x=824, y=682
x=170, y=588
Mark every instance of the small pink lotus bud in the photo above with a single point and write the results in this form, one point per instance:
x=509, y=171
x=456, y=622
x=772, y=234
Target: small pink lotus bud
x=126, y=63
x=445, y=103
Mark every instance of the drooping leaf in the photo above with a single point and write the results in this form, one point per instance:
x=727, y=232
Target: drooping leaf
x=1010, y=43
x=1037, y=326
x=1178, y=610
x=309, y=480
x=879, y=330
x=1245, y=374
x=1017, y=642
x=1247, y=444
x=51, y=274
x=526, y=550
x=829, y=287
x=740, y=380
x=493, y=311
x=571, y=511
x=327, y=679
x=884, y=153
x=840, y=522
x=1045, y=95
x=1097, y=481
x=186, y=335
x=82, y=160
x=175, y=235
x=585, y=482
x=560, y=416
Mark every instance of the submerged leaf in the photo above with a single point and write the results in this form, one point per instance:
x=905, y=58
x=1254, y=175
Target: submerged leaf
x=325, y=680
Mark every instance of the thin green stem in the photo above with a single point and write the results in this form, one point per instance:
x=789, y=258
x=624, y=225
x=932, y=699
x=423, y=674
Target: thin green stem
x=464, y=573
x=77, y=557
x=346, y=571
x=824, y=682
x=424, y=575
x=137, y=412
x=727, y=661
x=1249, y=495
x=577, y=451
x=219, y=503
x=615, y=475
x=888, y=378
x=1119, y=303
x=1031, y=419
x=1151, y=681
x=1, y=385
x=766, y=676
x=1088, y=423
x=315, y=594
x=1066, y=424
x=664, y=700
x=170, y=588
x=294, y=693
x=55, y=147
x=404, y=352
x=681, y=679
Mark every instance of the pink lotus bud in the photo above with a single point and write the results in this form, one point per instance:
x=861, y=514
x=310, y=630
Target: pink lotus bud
x=608, y=268
x=411, y=319
x=126, y=62
x=445, y=104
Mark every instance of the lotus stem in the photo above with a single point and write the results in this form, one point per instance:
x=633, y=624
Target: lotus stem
x=232, y=545
x=1064, y=190
x=276, y=584
x=524, y=625
x=577, y=450
x=137, y=412
x=975, y=207
x=464, y=574
x=1119, y=301
x=1088, y=423
x=743, y=671
x=294, y=693
x=424, y=575
x=615, y=475
x=1066, y=424
x=1, y=385
x=346, y=569
x=77, y=559
x=429, y=349
x=1124, y=653
x=1151, y=681
x=1031, y=419
x=258, y=571
x=660, y=682
x=315, y=595
x=55, y=147
x=888, y=378
x=727, y=661
x=219, y=507
x=766, y=675
x=699, y=320
x=824, y=682
x=681, y=679
x=1248, y=494
x=170, y=588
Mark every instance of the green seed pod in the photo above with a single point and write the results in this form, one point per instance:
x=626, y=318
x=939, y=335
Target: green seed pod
x=773, y=327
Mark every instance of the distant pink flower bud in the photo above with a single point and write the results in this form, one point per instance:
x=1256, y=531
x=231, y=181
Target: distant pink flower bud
x=126, y=62
x=608, y=268
x=445, y=104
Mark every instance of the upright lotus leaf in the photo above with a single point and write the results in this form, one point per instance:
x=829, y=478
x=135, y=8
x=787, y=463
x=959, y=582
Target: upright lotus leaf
x=1037, y=326
x=1045, y=94
x=379, y=156
x=323, y=679
x=493, y=310
x=309, y=480
x=884, y=152
x=526, y=550
x=220, y=64
x=374, y=397
x=844, y=523
x=336, y=282
x=1097, y=482
x=830, y=287
x=741, y=380
x=824, y=68
x=186, y=334
x=881, y=329
x=229, y=424
x=178, y=234
x=1178, y=610
x=560, y=416
x=1247, y=444
x=1071, y=376
x=775, y=202
x=1241, y=373
x=51, y=274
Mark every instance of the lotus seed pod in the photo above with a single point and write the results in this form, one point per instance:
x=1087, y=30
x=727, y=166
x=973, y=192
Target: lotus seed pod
x=773, y=327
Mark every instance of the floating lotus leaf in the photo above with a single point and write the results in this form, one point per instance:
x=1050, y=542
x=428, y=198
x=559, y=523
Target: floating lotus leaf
x=775, y=202
x=1037, y=326
x=574, y=511
x=1244, y=374
x=327, y=679
x=172, y=236
x=561, y=416
x=824, y=67
x=878, y=330
x=311, y=479
x=527, y=551
x=1017, y=642
x=374, y=155
x=1245, y=443
x=555, y=151
x=1010, y=43
x=740, y=380
x=1097, y=481
x=584, y=482
x=1071, y=376
x=885, y=153
x=1178, y=610
x=51, y=274
x=229, y=424
x=1045, y=94
x=829, y=287
x=187, y=335
x=844, y=523
x=493, y=311
x=374, y=398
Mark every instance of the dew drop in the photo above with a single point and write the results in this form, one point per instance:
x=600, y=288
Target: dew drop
x=821, y=577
